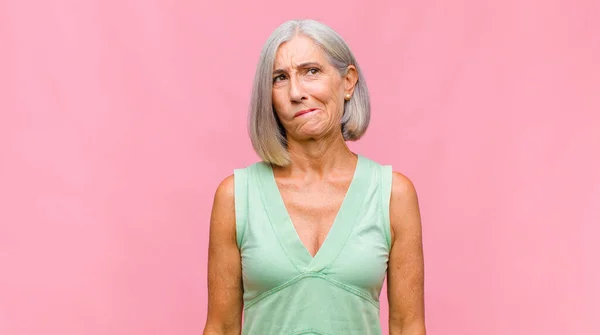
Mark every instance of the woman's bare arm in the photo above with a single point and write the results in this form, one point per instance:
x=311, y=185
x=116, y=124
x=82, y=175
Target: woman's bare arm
x=224, y=266
x=406, y=268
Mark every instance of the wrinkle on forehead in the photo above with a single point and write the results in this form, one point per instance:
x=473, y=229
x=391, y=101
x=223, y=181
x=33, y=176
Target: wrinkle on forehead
x=300, y=49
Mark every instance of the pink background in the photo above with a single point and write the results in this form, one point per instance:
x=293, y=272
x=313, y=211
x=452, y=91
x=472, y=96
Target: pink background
x=119, y=119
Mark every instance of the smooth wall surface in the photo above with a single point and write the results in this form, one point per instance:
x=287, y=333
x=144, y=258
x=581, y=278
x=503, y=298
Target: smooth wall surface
x=118, y=119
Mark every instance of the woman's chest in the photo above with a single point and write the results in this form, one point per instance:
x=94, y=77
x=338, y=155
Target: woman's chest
x=313, y=214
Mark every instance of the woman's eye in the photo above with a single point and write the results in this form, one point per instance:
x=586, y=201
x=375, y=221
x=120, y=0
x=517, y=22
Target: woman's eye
x=278, y=78
x=313, y=70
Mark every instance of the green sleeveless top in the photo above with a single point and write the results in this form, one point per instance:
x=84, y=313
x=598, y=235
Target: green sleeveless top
x=286, y=290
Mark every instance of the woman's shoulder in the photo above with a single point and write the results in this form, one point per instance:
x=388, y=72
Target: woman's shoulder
x=250, y=171
x=225, y=189
x=374, y=163
x=401, y=183
x=252, y=166
x=226, y=186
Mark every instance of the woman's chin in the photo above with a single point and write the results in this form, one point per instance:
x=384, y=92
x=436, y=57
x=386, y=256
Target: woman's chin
x=313, y=134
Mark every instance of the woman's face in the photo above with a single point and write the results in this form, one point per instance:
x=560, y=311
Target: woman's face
x=308, y=92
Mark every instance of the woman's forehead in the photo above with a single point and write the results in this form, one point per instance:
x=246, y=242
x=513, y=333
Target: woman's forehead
x=299, y=50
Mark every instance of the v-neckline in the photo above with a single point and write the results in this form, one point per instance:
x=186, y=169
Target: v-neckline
x=338, y=232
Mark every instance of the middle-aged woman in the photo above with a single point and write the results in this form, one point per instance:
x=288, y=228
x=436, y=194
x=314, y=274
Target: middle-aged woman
x=301, y=242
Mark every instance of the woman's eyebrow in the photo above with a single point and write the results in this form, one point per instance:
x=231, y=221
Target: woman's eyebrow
x=301, y=65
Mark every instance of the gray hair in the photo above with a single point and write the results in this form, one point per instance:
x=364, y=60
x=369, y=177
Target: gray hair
x=266, y=132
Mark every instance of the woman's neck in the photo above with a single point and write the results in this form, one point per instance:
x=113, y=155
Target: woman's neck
x=319, y=157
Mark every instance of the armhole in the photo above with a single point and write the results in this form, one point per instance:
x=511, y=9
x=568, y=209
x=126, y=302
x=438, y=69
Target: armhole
x=385, y=187
x=241, y=204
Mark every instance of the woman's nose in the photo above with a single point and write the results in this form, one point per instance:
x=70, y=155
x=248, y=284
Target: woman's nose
x=296, y=90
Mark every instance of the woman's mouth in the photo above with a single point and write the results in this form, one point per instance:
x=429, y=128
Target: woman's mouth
x=306, y=111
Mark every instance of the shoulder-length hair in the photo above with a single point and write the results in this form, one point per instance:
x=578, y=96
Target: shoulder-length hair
x=266, y=132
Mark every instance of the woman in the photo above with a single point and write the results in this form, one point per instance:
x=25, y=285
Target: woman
x=302, y=241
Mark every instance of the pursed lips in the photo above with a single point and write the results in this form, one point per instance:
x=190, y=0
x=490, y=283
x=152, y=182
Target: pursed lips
x=302, y=112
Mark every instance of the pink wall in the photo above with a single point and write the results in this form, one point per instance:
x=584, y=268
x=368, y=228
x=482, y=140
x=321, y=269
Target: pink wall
x=118, y=120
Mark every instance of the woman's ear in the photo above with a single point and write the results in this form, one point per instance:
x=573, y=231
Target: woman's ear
x=350, y=79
